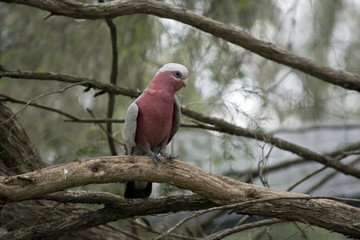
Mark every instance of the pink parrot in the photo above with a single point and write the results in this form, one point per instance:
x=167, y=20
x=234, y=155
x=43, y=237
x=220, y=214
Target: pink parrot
x=152, y=120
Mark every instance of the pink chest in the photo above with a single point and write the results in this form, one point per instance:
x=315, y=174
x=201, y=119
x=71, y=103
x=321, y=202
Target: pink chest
x=154, y=119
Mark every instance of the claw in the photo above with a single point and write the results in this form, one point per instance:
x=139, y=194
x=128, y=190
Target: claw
x=167, y=155
x=154, y=157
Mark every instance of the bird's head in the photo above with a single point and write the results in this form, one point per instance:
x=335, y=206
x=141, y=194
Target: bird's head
x=172, y=74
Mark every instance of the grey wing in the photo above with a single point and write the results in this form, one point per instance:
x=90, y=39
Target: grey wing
x=176, y=118
x=130, y=127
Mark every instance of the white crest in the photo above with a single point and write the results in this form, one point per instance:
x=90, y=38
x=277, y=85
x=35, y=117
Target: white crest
x=173, y=67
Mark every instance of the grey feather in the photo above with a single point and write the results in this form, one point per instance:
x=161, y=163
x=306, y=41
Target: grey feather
x=130, y=127
x=176, y=119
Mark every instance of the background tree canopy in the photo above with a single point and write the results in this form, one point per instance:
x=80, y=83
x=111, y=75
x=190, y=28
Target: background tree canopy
x=249, y=92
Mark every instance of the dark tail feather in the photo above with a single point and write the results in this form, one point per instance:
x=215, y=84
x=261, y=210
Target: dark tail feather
x=138, y=189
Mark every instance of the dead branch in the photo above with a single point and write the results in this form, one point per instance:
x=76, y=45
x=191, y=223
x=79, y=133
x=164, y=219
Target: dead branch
x=253, y=200
x=236, y=36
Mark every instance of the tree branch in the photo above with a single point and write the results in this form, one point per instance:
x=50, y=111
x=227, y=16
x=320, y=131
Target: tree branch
x=68, y=78
x=116, y=208
x=250, y=199
x=184, y=202
x=236, y=36
x=253, y=173
x=223, y=233
x=5, y=98
x=219, y=124
x=113, y=78
x=307, y=154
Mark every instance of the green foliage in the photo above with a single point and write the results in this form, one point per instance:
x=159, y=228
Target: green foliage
x=87, y=150
x=243, y=13
x=225, y=146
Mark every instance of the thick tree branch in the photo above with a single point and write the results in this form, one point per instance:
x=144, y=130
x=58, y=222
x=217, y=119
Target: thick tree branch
x=268, y=50
x=222, y=190
x=219, y=124
x=116, y=208
x=171, y=203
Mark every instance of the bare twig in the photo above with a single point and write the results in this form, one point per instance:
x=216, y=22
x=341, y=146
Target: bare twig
x=227, y=232
x=342, y=154
x=95, y=120
x=327, y=178
x=108, y=134
x=341, y=127
x=6, y=98
x=306, y=178
x=196, y=214
x=22, y=109
x=148, y=228
x=42, y=215
x=262, y=162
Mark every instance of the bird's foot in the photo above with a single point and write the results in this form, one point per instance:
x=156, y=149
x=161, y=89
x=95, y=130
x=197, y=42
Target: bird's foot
x=167, y=155
x=154, y=157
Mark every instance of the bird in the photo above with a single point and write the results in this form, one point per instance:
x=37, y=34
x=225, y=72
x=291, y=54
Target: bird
x=152, y=120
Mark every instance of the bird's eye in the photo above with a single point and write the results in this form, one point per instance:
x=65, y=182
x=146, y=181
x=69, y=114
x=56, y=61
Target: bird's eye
x=177, y=74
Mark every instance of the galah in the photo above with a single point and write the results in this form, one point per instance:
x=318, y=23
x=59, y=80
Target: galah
x=152, y=120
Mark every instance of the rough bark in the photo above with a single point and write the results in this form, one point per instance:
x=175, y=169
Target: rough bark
x=254, y=200
x=16, y=152
x=268, y=50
